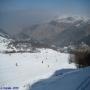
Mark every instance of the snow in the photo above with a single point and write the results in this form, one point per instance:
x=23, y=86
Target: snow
x=30, y=67
x=3, y=44
x=72, y=19
x=73, y=80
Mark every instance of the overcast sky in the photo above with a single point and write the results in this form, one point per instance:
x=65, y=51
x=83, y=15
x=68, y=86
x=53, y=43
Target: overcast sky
x=17, y=14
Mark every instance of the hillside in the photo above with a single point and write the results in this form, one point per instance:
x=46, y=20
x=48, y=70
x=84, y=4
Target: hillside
x=59, y=32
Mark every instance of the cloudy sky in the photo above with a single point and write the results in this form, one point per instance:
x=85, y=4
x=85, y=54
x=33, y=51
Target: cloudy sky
x=17, y=14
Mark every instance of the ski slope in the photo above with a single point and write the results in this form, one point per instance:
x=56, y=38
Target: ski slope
x=23, y=69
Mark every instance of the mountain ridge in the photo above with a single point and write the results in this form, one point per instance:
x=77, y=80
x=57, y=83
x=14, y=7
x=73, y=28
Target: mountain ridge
x=52, y=32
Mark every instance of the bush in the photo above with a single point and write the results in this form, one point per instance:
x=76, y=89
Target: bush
x=81, y=57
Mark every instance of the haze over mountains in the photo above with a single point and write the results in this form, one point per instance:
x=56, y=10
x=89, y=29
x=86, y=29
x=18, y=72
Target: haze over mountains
x=59, y=32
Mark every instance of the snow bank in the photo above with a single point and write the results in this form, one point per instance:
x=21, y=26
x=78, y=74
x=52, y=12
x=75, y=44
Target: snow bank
x=75, y=80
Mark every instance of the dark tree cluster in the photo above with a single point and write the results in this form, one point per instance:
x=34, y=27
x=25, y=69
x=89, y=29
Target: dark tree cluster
x=81, y=57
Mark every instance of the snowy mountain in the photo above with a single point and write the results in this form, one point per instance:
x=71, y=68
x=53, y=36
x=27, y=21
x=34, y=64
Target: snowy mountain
x=59, y=31
x=72, y=19
x=4, y=41
x=30, y=58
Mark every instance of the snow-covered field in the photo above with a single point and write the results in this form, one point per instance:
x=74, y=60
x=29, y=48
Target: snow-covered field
x=30, y=67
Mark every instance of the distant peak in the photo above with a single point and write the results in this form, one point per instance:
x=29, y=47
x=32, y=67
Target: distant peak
x=71, y=19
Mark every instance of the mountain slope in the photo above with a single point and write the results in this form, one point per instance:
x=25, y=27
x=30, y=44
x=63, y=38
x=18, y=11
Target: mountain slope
x=73, y=35
x=60, y=31
x=86, y=40
x=4, y=40
x=3, y=43
x=3, y=33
